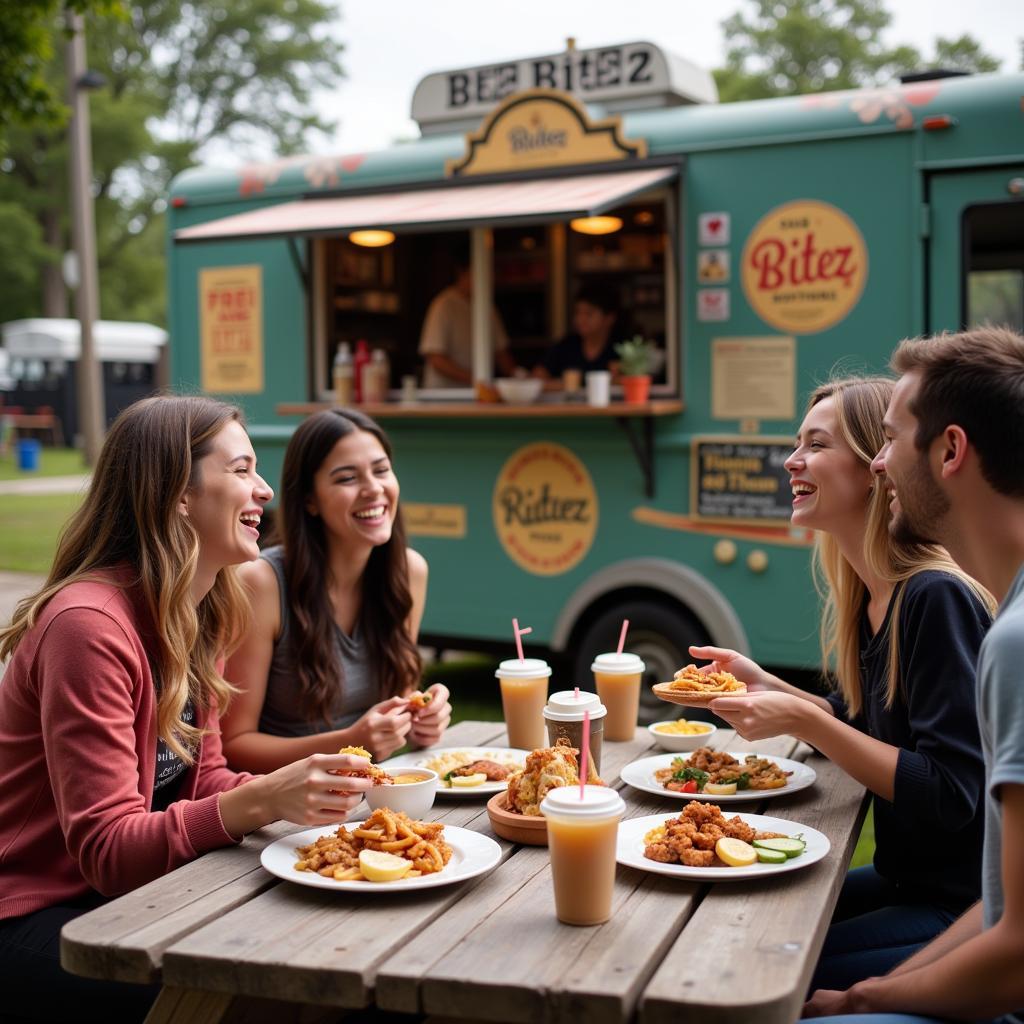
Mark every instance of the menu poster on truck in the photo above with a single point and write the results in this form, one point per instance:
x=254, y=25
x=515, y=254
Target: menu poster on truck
x=741, y=479
x=231, y=329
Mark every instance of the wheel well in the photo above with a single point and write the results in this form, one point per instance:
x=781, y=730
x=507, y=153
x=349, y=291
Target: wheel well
x=618, y=597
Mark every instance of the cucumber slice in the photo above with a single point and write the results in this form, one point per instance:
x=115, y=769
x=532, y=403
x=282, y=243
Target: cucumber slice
x=790, y=847
x=770, y=856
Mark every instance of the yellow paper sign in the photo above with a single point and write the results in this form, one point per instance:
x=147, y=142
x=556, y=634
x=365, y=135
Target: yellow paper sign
x=231, y=329
x=545, y=509
x=423, y=520
x=543, y=128
x=804, y=266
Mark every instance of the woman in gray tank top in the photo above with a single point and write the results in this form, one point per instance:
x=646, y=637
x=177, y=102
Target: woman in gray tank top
x=330, y=658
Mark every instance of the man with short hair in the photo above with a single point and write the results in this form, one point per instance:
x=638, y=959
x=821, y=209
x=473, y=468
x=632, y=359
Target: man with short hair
x=954, y=465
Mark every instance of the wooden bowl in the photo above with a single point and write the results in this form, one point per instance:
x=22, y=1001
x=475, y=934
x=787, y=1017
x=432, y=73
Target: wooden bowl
x=528, y=829
x=691, y=698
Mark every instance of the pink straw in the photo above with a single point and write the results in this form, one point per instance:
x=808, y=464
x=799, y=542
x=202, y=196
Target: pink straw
x=622, y=635
x=520, y=633
x=585, y=752
x=576, y=692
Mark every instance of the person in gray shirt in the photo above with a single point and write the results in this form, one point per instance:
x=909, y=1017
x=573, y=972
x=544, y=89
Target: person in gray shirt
x=954, y=464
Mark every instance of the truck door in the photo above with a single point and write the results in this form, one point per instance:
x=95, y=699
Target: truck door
x=975, y=256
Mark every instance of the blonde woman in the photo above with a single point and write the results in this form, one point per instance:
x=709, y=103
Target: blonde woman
x=901, y=628
x=110, y=750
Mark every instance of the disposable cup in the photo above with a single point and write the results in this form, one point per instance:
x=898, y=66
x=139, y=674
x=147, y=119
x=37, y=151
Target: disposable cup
x=524, y=689
x=581, y=838
x=617, y=680
x=599, y=387
x=564, y=716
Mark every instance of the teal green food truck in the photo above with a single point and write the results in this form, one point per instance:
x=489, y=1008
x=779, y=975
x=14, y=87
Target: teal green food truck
x=759, y=245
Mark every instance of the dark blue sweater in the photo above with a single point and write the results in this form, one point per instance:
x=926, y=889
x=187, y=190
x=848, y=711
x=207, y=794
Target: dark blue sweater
x=928, y=839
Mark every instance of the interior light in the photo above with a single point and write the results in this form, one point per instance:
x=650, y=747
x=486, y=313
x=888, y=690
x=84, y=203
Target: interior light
x=596, y=225
x=644, y=217
x=372, y=238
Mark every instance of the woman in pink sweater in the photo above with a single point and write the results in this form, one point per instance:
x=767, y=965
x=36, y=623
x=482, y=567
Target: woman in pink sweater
x=110, y=749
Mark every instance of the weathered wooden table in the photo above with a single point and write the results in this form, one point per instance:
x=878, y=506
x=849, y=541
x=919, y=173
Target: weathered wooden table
x=222, y=930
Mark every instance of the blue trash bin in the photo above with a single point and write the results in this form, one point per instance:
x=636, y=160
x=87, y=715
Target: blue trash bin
x=28, y=454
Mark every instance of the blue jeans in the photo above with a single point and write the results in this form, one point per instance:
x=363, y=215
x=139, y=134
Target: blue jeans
x=875, y=927
x=874, y=1018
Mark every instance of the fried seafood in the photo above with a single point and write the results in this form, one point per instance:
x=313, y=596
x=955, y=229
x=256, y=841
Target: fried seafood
x=420, y=699
x=704, y=765
x=546, y=769
x=691, y=680
x=337, y=856
x=495, y=772
x=690, y=839
x=375, y=772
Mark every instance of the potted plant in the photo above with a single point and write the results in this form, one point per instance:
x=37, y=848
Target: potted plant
x=636, y=356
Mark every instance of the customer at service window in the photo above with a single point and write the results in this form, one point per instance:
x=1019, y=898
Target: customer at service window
x=446, y=341
x=591, y=344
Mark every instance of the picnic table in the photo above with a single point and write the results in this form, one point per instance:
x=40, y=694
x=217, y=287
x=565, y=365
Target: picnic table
x=229, y=941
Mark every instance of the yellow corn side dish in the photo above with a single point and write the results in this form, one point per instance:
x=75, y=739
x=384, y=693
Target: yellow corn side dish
x=682, y=728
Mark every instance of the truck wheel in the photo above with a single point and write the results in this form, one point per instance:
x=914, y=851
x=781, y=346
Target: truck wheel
x=659, y=633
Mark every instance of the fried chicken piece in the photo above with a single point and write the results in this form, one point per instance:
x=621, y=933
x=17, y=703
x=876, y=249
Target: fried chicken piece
x=699, y=813
x=734, y=828
x=770, y=835
x=495, y=772
x=379, y=776
x=701, y=841
x=697, y=858
x=712, y=829
x=661, y=852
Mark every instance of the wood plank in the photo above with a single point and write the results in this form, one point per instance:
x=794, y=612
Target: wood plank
x=180, y=1006
x=427, y=409
x=749, y=950
x=124, y=940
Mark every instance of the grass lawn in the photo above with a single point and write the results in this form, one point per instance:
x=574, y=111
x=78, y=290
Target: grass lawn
x=29, y=527
x=52, y=462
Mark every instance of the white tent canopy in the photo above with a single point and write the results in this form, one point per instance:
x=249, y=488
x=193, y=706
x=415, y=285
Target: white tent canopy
x=115, y=341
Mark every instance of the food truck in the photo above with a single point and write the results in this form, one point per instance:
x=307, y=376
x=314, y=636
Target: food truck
x=762, y=246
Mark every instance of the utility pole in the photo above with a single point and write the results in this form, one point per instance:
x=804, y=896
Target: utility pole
x=91, y=418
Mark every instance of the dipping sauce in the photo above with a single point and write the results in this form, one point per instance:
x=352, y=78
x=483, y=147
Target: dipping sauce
x=403, y=780
x=682, y=728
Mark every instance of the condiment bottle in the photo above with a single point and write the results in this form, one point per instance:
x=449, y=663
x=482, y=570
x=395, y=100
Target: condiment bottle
x=375, y=377
x=344, y=375
x=359, y=363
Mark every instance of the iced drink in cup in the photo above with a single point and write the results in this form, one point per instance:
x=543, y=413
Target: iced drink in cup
x=564, y=716
x=524, y=691
x=582, y=837
x=617, y=681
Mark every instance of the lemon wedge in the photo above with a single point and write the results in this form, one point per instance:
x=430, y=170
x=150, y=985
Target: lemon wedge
x=378, y=866
x=468, y=781
x=735, y=852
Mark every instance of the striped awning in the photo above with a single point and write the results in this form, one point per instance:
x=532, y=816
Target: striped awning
x=450, y=207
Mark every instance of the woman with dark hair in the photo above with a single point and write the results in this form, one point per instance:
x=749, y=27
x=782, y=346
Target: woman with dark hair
x=110, y=751
x=591, y=345
x=331, y=658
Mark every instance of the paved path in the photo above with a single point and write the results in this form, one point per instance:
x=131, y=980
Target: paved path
x=45, y=485
x=13, y=587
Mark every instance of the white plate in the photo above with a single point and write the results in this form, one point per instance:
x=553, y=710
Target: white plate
x=419, y=759
x=472, y=854
x=630, y=850
x=640, y=775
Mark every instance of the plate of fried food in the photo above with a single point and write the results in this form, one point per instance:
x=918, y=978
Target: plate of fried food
x=386, y=852
x=703, y=845
x=465, y=771
x=719, y=775
x=695, y=687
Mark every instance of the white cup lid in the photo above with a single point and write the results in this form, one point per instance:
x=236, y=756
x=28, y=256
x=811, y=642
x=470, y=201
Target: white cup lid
x=597, y=802
x=618, y=664
x=565, y=706
x=528, y=668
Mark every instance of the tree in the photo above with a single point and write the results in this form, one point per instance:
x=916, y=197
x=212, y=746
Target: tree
x=182, y=78
x=791, y=47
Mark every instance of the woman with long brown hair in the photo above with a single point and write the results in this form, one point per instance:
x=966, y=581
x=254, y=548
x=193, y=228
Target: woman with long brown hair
x=331, y=659
x=900, y=634
x=110, y=749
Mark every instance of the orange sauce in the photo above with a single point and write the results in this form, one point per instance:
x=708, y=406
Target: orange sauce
x=403, y=780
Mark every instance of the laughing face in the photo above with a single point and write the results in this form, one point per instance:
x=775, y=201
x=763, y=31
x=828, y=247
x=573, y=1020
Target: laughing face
x=831, y=485
x=917, y=505
x=226, y=504
x=355, y=492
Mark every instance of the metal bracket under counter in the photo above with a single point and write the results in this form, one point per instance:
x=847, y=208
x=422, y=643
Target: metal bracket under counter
x=642, y=441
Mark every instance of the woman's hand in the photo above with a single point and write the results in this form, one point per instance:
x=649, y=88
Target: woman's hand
x=430, y=721
x=307, y=792
x=384, y=728
x=745, y=669
x=762, y=716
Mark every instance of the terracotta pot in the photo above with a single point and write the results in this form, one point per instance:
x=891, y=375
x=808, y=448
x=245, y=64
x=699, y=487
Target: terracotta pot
x=636, y=389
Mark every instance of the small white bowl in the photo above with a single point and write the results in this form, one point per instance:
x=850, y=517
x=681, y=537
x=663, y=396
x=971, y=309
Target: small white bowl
x=413, y=798
x=680, y=741
x=519, y=390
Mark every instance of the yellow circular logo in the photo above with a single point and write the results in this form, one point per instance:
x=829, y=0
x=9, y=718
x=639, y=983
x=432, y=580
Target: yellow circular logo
x=804, y=266
x=545, y=509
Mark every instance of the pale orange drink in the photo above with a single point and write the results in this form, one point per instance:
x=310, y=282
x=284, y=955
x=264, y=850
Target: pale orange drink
x=582, y=836
x=524, y=692
x=617, y=680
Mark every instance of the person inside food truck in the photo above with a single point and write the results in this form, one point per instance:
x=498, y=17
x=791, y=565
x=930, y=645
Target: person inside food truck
x=446, y=341
x=591, y=344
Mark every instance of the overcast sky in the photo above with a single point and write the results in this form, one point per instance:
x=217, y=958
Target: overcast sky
x=391, y=44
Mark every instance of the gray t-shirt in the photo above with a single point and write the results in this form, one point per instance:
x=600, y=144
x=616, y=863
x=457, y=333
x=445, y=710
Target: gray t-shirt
x=358, y=690
x=1001, y=721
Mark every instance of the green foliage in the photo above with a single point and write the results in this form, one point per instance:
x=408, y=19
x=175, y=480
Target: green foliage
x=22, y=257
x=635, y=356
x=793, y=47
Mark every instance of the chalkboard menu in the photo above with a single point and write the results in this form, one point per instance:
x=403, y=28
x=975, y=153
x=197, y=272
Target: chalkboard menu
x=740, y=479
